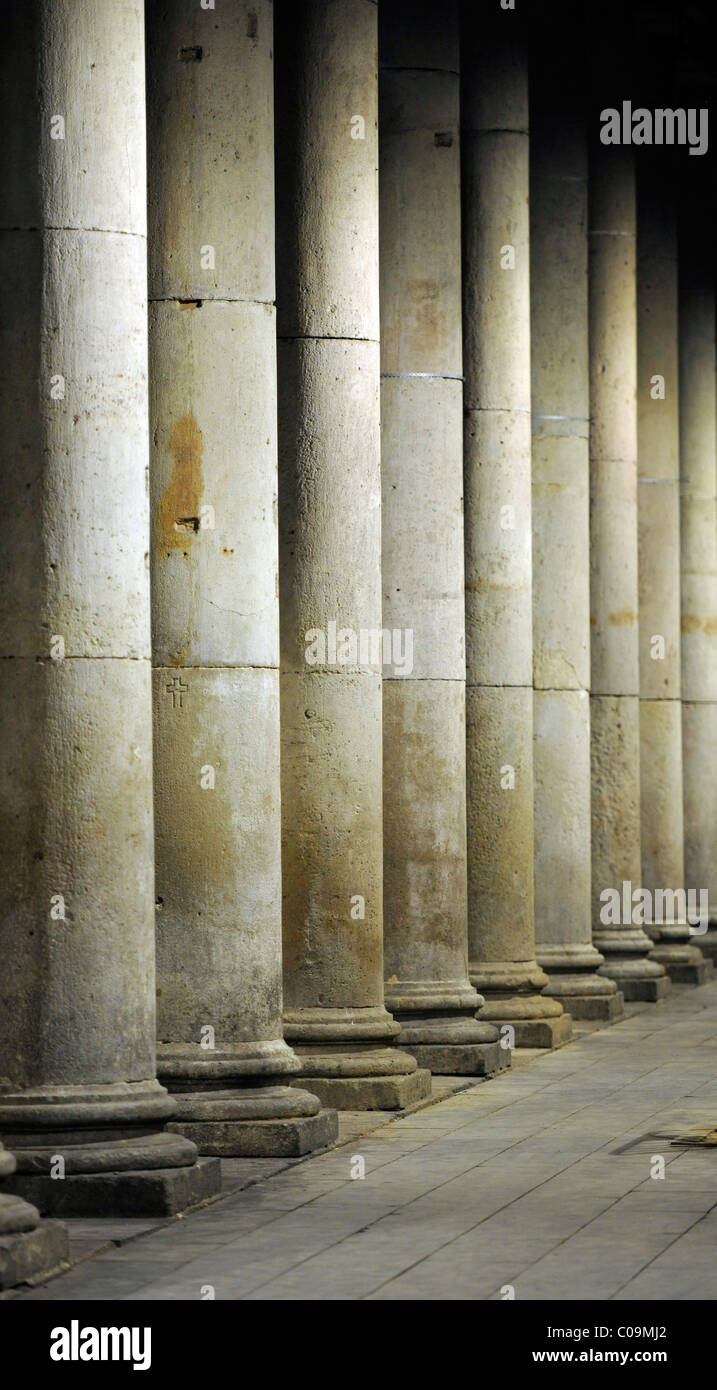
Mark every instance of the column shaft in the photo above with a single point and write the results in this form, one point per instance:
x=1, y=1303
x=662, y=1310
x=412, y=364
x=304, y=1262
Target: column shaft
x=330, y=555
x=215, y=612
x=561, y=567
x=77, y=1041
x=661, y=822
x=425, y=886
x=614, y=711
x=698, y=579
x=499, y=694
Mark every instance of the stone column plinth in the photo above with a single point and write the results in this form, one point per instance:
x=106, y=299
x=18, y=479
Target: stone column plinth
x=698, y=579
x=614, y=703
x=561, y=568
x=661, y=822
x=498, y=571
x=80, y=1106
x=424, y=745
x=215, y=609
x=29, y=1249
x=330, y=556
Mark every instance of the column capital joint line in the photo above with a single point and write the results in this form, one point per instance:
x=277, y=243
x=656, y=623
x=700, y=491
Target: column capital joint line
x=413, y=67
x=426, y=376
x=496, y=130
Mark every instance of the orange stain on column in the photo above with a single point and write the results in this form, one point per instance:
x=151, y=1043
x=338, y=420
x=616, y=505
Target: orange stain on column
x=178, y=512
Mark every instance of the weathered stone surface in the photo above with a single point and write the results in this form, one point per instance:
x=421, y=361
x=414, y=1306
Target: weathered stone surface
x=698, y=566
x=211, y=74
x=453, y=1045
x=330, y=527
x=16, y=1215
x=215, y=618
x=255, y=1103
x=498, y=539
x=537, y=1020
x=77, y=1042
x=28, y=1249
x=288, y=1138
x=593, y=1006
x=545, y=1032
x=153, y=1192
x=113, y=1156
x=642, y=990
x=461, y=1059
x=685, y=965
x=329, y=1060
x=327, y=205
x=661, y=780
x=561, y=570
x=708, y=945
x=370, y=1092
x=29, y=1256
x=425, y=883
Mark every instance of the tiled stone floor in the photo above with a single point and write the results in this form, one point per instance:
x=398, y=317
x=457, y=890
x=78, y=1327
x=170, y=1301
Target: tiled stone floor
x=540, y=1180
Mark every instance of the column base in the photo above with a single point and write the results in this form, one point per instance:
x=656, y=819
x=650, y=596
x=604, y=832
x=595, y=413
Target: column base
x=674, y=950
x=183, y=1066
x=598, y=1006
x=460, y=1059
x=440, y=1029
x=347, y=1061
x=371, y=1079
x=573, y=979
x=685, y=965
x=708, y=943
x=154, y=1175
x=157, y=1192
x=628, y=952
x=514, y=998
x=645, y=991
x=454, y=1047
x=266, y=1122
x=29, y=1250
x=536, y=1021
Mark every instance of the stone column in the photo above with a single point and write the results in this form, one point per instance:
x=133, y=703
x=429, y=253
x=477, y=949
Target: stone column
x=29, y=1249
x=499, y=690
x=424, y=759
x=661, y=822
x=215, y=584
x=561, y=568
x=330, y=556
x=614, y=703
x=77, y=1015
x=698, y=579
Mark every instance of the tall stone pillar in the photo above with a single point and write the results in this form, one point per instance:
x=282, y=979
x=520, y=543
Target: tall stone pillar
x=698, y=579
x=499, y=675
x=215, y=583
x=614, y=702
x=29, y=1248
x=661, y=820
x=561, y=568
x=424, y=809
x=330, y=556
x=78, y=1094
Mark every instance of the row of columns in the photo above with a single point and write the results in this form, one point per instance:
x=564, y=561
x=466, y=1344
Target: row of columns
x=439, y=430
